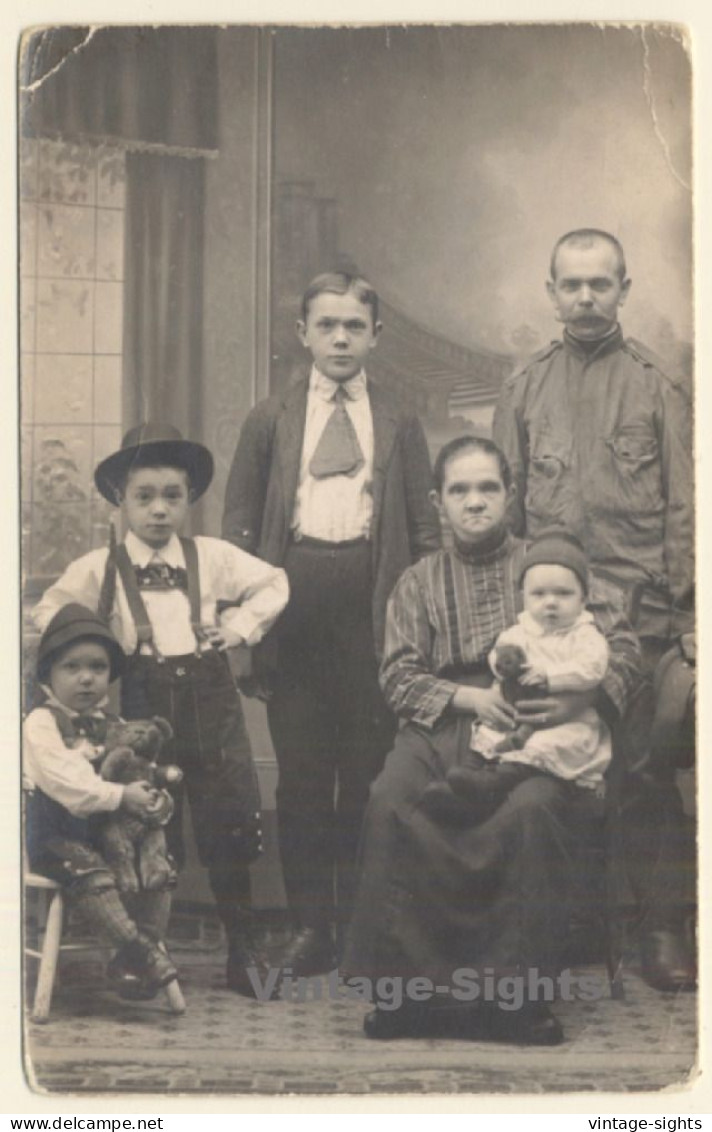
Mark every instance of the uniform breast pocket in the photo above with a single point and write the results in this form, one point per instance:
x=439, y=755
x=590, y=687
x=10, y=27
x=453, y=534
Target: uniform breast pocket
x=549, y=463
x=636, y=467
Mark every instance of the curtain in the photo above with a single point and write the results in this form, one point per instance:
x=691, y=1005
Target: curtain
x=153, y=92
x=142, y=86
x=163, y=300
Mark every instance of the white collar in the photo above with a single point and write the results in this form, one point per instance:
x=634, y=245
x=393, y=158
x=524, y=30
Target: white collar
x=141, y=554
x=534, y=629
x=324, y=387
x=52, y=701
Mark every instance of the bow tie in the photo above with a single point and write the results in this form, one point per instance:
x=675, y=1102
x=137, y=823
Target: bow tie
x=161, y=576
x=91, y=727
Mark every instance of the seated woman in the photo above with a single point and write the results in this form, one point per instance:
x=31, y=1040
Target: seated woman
x=475, y=911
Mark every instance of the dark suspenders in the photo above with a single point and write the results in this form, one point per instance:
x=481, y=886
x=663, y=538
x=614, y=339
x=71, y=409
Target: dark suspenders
x=124, y=565
x=137, y=607
x=190, y=552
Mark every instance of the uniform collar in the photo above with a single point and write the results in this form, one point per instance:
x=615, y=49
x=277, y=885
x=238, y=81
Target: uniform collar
x=324, y=387
x=141, y=554
x=589, y=351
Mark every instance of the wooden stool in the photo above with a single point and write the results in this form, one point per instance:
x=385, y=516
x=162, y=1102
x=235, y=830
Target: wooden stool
x=52, y=945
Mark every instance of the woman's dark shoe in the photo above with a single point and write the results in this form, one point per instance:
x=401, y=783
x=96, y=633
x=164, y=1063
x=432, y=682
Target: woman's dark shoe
x=532, y=1025
x=409, y=1021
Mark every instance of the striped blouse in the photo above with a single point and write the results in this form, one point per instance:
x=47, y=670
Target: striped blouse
x=446, y=612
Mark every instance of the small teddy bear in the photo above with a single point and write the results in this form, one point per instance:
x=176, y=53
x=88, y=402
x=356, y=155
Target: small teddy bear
x=135, y=848
x=510, y=662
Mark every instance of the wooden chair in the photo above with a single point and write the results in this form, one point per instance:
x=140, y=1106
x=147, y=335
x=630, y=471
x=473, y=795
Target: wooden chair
x=50, y=946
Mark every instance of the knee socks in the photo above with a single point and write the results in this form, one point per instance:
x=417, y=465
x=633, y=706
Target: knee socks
x=105, y=914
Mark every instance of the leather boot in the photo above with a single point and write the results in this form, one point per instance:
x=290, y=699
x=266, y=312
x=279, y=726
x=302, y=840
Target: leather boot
x=244, y=959
x=145, y=967
x=666, y=960
x=309, y=952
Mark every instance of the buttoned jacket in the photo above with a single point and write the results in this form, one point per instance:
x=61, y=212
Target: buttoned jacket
x=601, y=443
x=263, y=481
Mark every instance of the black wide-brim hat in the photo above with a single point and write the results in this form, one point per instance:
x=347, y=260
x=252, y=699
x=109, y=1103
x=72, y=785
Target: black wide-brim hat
x=71, y=624
x=154, y=444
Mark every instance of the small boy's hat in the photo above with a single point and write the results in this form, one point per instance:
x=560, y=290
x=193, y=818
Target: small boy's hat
x=154, y=443
x=555, y=546
x=73, y=623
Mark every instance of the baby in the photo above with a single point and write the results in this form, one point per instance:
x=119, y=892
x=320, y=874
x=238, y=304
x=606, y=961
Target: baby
x=555, y=647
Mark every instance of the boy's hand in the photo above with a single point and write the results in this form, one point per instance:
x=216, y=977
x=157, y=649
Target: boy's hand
x=532, y=677
x=221, y=637
x=139, y=799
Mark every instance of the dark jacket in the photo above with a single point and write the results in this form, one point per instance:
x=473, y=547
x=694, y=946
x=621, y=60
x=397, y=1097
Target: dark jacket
x=263, y=481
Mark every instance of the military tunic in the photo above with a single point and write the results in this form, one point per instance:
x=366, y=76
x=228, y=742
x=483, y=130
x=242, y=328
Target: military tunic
x=599, y=440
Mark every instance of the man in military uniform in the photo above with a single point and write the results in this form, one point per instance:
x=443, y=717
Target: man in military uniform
x=599, y=439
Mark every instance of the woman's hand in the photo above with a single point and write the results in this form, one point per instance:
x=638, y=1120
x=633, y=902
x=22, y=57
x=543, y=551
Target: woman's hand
x=552, y=711
x=487, y=704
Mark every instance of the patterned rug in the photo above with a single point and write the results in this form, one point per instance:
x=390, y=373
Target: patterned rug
x=226, y=1044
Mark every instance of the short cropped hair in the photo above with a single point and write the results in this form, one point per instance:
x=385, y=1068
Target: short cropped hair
x=461, y=444
x=340, y=283
x=586, y=238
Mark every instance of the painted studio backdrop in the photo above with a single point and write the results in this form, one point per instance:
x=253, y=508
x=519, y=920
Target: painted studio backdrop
x=180, y=185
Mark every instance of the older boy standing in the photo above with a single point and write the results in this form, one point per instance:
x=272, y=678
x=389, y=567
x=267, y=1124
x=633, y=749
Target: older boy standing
x=331, y=481
x=599, y=440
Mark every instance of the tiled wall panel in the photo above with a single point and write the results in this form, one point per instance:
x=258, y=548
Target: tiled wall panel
x=71, y=267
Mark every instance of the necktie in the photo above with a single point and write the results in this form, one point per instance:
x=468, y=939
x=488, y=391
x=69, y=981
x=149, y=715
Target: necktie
x=338, y=452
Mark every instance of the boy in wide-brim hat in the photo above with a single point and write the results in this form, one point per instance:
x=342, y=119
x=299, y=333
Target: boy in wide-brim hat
x=176, y=604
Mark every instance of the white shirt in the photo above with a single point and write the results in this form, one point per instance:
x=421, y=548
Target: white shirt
x=340, y=507
x=65, y=774
x=574, y=658
x=226, y=573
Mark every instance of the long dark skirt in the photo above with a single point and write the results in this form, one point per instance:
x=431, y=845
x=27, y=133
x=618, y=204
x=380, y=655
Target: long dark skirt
x=437, y=897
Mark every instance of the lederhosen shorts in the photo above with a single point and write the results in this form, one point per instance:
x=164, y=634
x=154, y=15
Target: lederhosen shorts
x=59, y=845
x=196, y=693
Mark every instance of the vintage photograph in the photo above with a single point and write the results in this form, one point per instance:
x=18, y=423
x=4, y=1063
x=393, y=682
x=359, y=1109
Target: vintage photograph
x=357, y=508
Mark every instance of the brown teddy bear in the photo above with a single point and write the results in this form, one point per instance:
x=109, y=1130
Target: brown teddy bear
x=135, y=848
x=510, y=662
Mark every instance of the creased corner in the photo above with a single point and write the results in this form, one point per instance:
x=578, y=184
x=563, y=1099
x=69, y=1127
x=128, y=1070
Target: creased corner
x=650, y=98
x=32, y=87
